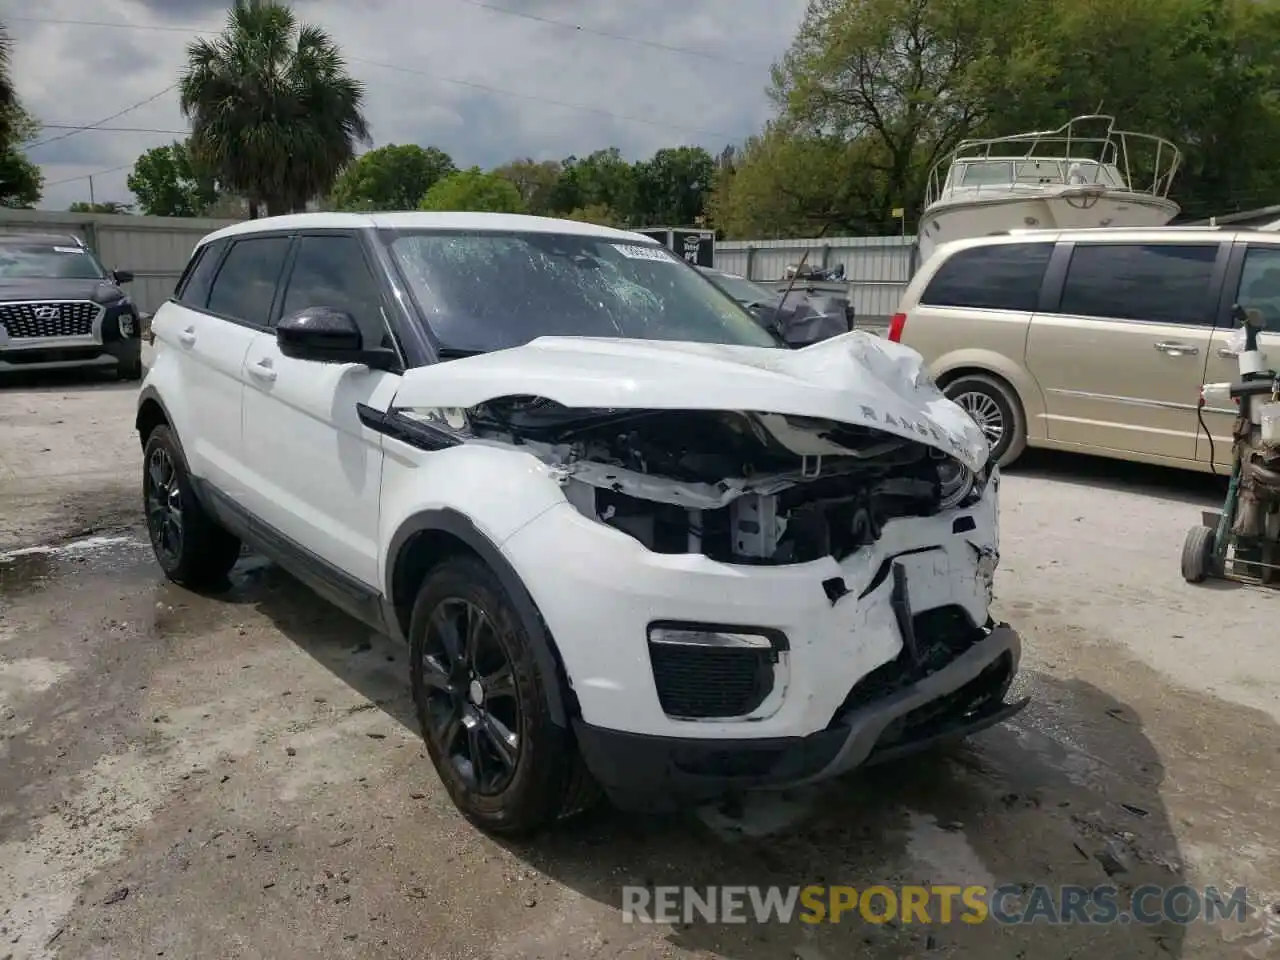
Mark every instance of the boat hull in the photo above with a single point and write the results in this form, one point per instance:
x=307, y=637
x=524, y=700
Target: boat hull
x=958, y=220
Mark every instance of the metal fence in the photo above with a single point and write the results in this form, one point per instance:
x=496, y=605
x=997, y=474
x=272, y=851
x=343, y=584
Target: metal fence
x=876, y=268
x=154, y=248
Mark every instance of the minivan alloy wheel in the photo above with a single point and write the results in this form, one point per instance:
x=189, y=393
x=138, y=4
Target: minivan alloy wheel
x=164, y=505
x=472, y=708
x=985, y=412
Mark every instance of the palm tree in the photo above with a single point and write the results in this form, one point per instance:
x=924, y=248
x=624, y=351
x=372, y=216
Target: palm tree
x=274, y=113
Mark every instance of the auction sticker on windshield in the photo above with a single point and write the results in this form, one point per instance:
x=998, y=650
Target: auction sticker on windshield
x=636, y=251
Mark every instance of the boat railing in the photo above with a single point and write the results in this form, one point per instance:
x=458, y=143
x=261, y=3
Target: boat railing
x=1086, y=147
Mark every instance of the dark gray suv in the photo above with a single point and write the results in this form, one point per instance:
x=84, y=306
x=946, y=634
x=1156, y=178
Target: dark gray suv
x=60, y=308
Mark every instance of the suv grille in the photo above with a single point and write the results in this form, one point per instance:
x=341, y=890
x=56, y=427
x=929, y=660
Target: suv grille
x=70, y=318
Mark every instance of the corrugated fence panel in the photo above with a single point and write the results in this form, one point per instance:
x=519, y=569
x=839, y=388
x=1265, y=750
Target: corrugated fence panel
x=154, y=248
x=877, y=268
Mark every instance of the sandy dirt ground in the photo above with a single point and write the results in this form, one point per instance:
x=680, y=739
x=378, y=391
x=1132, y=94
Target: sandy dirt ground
x=189, y=776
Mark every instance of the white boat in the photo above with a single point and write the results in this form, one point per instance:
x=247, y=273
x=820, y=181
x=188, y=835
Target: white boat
x=1086, y=173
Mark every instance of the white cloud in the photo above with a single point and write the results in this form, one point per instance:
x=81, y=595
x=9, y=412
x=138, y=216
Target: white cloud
x=78, y=73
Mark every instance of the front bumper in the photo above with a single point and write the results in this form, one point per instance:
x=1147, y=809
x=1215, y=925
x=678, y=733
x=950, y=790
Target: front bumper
x=105, y=356
x=651, y=773
x=105, y=346
x=599, y=591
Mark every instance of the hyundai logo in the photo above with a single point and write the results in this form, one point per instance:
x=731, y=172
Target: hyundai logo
x=47, y=313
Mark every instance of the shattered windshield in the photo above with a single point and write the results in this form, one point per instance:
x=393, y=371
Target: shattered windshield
x=487, y=291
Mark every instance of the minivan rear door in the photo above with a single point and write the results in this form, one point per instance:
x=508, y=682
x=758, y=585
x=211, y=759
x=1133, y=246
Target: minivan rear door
x=1122, y=357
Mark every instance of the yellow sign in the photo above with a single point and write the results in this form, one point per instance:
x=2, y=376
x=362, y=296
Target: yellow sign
x=899, y=212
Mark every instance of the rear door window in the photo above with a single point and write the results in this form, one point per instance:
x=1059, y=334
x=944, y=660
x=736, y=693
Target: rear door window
x=246, y=284
x=1001, y=276
x=1156, y=282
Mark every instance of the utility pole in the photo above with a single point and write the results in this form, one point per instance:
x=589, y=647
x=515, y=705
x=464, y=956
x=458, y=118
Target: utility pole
x=92, y=204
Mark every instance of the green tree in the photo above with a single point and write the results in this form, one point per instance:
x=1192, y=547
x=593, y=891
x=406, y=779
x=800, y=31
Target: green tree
x=784, y=185
x=107, y=206
x=275, y=116
x=536, y=180
x=473, y=189
x=602, y=179
x=907, y=80
x=672, y=186
x=21, y=182
x=597, y=214
x=394, y=177
x=167, y=183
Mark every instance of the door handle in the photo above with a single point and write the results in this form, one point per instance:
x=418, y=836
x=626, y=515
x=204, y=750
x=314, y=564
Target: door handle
x=263, y=371
x=187, y=337
x=1227, y=354
x=1175, y=349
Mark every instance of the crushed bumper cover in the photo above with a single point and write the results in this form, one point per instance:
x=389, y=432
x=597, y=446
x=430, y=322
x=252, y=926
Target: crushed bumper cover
x=651, y=773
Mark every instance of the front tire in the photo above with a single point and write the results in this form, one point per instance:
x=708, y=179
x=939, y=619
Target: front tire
x=130, y=368
x=482, y=705
x=190, y=546
x=997, y=412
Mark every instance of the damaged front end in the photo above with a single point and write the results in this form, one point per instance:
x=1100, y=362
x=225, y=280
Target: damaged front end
x=736, y=487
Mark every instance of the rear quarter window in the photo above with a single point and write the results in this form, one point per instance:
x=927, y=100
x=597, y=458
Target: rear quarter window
x=1002, y=276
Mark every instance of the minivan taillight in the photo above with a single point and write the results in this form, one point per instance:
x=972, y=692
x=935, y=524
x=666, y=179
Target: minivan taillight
x=896, y=326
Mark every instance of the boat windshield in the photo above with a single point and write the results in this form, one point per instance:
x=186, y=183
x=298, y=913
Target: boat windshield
x=986, y=172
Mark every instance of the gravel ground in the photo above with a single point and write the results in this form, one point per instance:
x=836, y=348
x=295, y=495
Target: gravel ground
x=238, y=776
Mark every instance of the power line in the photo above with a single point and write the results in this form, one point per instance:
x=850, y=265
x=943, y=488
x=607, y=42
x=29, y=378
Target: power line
x=72, y=131
x=578, y=28
x=487, y=88
x=87, y=176
x=92, y=129
x=662, y=124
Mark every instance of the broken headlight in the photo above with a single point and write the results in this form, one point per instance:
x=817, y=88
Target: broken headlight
x=956, y=483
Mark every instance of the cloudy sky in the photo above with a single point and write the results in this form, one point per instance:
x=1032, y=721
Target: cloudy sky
x=485, y=80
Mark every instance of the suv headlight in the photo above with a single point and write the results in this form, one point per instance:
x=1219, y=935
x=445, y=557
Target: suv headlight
x=958, y=485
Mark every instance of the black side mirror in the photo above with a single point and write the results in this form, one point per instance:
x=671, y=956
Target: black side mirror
x=122, y=276
x=325, y=335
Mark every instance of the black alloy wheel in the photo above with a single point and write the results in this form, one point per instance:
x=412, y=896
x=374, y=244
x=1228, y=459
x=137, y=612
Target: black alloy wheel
x=163, y=496
x=472, y=707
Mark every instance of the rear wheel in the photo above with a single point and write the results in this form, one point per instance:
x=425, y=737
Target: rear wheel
x=483, y=708
x=996, y=410
x=190, y=546
x=1198, y=554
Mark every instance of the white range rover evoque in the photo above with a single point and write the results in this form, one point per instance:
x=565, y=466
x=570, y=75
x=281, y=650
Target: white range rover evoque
x=634, y=542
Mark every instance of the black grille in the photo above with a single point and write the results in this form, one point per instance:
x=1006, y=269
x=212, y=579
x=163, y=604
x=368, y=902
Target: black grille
x=71, y=318
x=704, y=682
x=942, y=635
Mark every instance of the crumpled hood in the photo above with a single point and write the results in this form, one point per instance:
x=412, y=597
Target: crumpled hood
x=855, y=379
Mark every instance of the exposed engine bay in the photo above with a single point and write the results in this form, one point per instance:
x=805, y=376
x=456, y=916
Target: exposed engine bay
x=735, y=486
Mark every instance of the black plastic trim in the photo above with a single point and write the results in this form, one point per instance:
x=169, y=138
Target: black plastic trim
x=460, y=526
x=342, y=590
x=396, y=425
